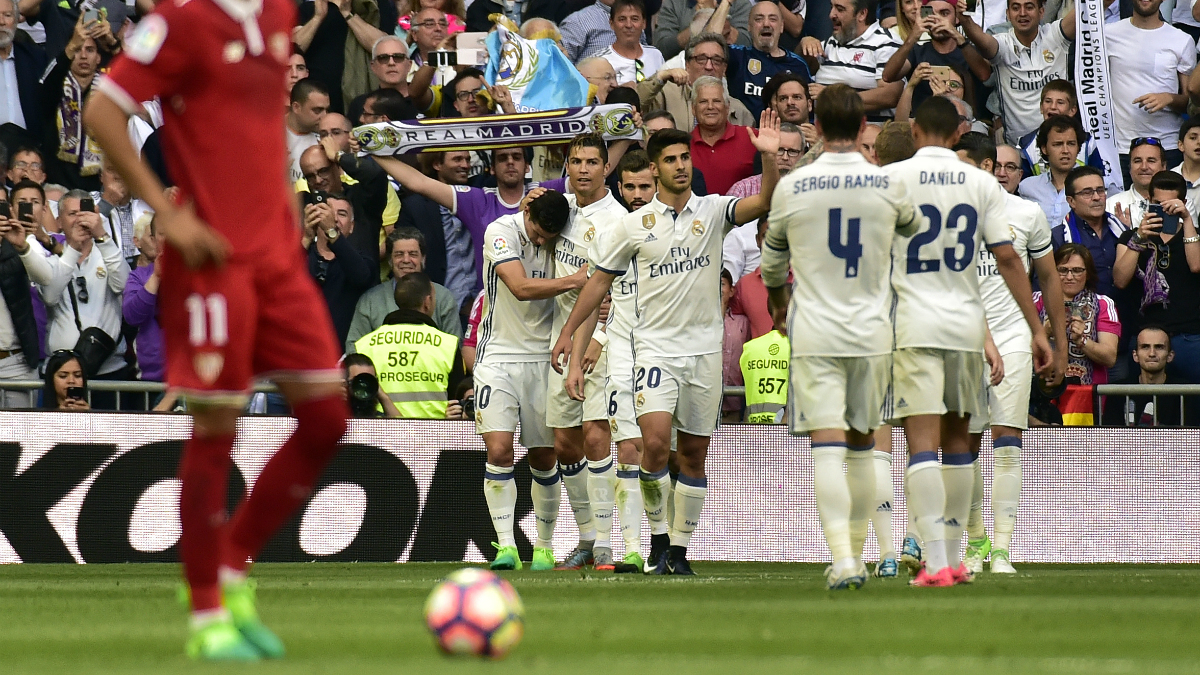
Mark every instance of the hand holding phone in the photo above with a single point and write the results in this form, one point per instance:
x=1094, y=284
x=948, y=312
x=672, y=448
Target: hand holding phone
x=1170, y=221
x=5, y=210
x=25, y=212
x=87, y=204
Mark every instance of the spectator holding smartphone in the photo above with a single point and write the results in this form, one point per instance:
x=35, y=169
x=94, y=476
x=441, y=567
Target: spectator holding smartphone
x=1164, y=252
x=65, y=386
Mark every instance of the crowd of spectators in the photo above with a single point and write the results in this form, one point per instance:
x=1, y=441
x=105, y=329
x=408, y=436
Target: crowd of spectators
x=78, y=251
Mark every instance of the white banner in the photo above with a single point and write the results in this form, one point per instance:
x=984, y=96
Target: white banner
x=1092, y=86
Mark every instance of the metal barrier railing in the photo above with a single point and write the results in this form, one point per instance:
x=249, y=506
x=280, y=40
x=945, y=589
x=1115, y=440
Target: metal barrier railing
x=128, y=394
x=1152, y=390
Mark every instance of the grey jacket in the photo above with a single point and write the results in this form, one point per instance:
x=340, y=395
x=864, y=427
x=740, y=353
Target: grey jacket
x=374, y=306
x=676, y=16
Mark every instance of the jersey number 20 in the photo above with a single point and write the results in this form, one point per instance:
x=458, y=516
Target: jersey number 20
x=962, y=218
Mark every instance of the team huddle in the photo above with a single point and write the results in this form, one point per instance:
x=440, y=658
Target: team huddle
x=911, y=300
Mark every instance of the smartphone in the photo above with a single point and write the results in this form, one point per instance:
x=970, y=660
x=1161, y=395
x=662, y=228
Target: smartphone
x=926, y=11
x=5, y=210
x=314, y=197
x=944, y=73
x=1170, y=223
x=472, y=49
x=444, y=59
x=971, y=5
x=76, y=393
x=91, y=16
x=86, y=204
x=25, y=211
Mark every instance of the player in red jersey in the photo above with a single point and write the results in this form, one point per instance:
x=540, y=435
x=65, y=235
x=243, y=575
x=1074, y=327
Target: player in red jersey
x=236, y=300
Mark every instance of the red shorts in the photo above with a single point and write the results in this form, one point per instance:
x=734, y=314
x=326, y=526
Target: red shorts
x=222, y=327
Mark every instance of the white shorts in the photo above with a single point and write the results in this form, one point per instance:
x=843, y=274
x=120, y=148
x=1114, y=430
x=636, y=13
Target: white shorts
x=929, y=381
x=618, y=390
x=510, y=393
x=1008, y=402
x=688, y=387
x=564, y=412
x=845, y=393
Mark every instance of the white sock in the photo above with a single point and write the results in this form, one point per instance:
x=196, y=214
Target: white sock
x=975, y=528
x=656, y=488
x=670, y=504
x=958, y=476
x=910, y=528
x=860, y=479
x=881, y=515
x=927, y=502
x=833, y=497
x=689, y=502
x=575, y=479
x=500, y=491
x=1006, y=488
x=547, y=496
x=601, y=479
x=630, y=506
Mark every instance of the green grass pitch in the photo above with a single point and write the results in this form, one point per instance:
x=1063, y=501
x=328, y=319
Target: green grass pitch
x=735, y=618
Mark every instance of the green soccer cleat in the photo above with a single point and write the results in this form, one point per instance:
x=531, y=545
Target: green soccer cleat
x=220, y=641
x=977, y=552
x=239, y=600
x=543, y=559
x=507, y=558
x=631, y=564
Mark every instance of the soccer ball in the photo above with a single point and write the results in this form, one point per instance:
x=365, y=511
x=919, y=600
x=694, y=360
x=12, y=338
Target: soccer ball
x=473, y=611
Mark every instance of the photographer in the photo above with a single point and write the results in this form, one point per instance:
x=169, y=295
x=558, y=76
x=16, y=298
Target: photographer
x=462, y=406
x=322, y=167
x=65, y=385
x=342, y=271
x=18, y=327
x=420, y=365
x=363, y=390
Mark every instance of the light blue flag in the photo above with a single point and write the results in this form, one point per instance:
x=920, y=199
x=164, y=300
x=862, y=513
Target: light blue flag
x=537, y=73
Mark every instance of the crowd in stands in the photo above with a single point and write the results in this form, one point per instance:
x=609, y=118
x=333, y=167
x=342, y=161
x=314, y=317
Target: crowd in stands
x=78, y=251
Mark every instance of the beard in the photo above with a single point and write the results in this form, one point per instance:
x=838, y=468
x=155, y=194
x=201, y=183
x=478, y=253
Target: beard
x=6, y=37
x=845, y=34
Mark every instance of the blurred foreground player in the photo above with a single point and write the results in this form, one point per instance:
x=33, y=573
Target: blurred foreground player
x=236, y=300
x=834, y=221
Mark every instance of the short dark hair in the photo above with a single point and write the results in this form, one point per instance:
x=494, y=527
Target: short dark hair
x=626, y=95
x=1169, y=181
x=1062, y=87
x=840, y=112
x=391, y=104
x=622, y=4
x=306, y=86
x=633, y=162
x=772, y=87
x=664, y=138
x=870, y=7
x=452, y=85
x=1188, y=124
x=550, y=211
x=589, y=140
x=1066, y=251
x=401, y=233
x=26, y=184
x=357, y=359
x=412, y=289
x=1075, y=174
x=1058, y=123
x=657, y=114
x=937, y=117
x=700, y=39
x=1153, y=326
x=524, y=153
x=978, y=147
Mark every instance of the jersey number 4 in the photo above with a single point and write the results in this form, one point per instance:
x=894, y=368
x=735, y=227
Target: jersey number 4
x=208, y=320
x=962, y=218
x=852, y=250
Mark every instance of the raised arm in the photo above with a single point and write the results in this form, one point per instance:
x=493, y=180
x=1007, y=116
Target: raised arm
x=418, y=182
x=987, y=45
x=766, y=141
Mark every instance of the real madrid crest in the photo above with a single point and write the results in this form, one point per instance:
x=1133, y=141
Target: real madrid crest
x=648, y=221
x=590, y=234
x=101, y=272
x=1048, y=55
x=612, y=424
x=754, y=66
x=641, y=399
x=697, y=228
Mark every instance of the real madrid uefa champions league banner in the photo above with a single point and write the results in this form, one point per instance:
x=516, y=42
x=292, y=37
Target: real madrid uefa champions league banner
x=614, y=122
x=101, y=487
x=1093, y=87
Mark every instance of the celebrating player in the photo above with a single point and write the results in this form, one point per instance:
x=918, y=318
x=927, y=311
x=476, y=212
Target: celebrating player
x=236, y=298
x=675, y=241
x=937, y=371
x=581, y=428
x=1008, y=402
x=511, y=368
x=838, y=217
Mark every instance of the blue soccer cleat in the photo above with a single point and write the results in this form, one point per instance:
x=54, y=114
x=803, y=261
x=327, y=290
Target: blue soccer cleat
x=910, y=555
x=886, y=568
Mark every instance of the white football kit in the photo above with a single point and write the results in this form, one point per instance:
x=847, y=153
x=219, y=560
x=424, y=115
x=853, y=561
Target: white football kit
x=1008, y=402
x=512, y=359
x=571, y=251
x=679, y=327
x=939, y=324
x=838, y=217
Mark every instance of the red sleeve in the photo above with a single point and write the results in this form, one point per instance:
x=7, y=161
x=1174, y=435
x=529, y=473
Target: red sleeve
x=158, y=58
x=1107, y=321
x=471, y=338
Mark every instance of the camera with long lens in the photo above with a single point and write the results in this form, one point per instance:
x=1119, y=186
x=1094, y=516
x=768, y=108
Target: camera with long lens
x=362, y=391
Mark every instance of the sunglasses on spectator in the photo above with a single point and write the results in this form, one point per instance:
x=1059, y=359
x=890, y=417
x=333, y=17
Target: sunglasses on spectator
x=717, y=61
x=1144, y=140
x=398, y=57
x=638, y=74
x=81, y=289
x=1089, y=193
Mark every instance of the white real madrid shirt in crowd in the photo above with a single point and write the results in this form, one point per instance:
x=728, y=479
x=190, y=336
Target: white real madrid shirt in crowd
x=571, y=249
x=1193, y=195
x=933, y=272
x=1030, y=234
x=1146, y=62
x=1129, y=199
x=297, y=144
x=834, y=222
x=678, y=259
x=513, y=330
x=628, y=70
x=740, y=252
x=859, y=63
x=1022, y=71
x=98, y=282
